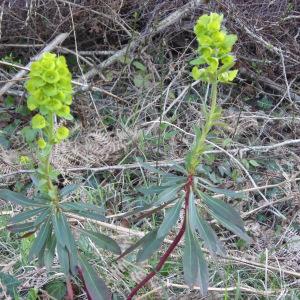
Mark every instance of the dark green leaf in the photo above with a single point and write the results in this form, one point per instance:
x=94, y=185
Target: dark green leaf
x=68, y=189
x=226, y=215
x=94, y=285
x=149, y=246
x=168, y=194
x=194, y=265
x=190, y=259
x=17, y=198
x=225, y=192
x=29, y=134
x=41, y=218
x=170, y=219
x=203, y=276
x=221, y=208
x=10, y=282
x=151, y=169
x=204, y=229
x=82, y=207
x=151, y=190
x=179, y=168
x=23, y=216
x=4, y=142
x=40, y=240
x=50, y=252
x=21, y=227
x=171, y=180
x=56, y=289
x=65, y=238
x=103, y=241
x=148, y=237
x=90, y=215
x=63, y=257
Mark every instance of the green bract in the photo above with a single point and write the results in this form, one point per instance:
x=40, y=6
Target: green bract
x=38, y=122
x=49, y=86
x=62, y=133
x=214, y=50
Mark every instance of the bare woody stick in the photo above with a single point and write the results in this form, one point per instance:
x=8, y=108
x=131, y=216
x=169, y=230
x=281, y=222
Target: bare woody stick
x=162, y=25
x=58, y=40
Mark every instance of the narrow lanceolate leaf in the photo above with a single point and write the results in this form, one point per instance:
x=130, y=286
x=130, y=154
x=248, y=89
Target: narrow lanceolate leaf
x=148, y=237
x=103, y=241
x=41, y=238
x=21, y=227
x=171, y=179
x=190, y=259
x=168, y=194
x=226, y=215
x=17, y=198
x=149, y=247
x=50, y=252
x=63, y=256
x=65, y=238
x=170, y=219
x=205, y=231
x=194, y=265
x=151, y=190
x=85, y=210
x=228, y=193
x=222, y=208
x=41, y=217
x=203, y=276
x=94, y=285
x=78, y=206
x=23, y=216
x=151, y=169
x=68, y=189
x=179, y=168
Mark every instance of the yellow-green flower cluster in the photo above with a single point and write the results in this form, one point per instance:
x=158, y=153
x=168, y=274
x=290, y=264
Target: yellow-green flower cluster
x=214, y=50
x=49, y=86
x=50, y=93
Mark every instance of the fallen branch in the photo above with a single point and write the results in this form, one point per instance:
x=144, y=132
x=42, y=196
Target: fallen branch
x=58, y=40
x=162, y=25
x=270, y=83
x=164, y=163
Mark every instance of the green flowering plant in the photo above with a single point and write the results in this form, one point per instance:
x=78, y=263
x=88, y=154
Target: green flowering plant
x=183, y=185
x=50, y=96
x=214, y=50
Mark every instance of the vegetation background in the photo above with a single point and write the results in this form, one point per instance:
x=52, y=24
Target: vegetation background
x=133, y=98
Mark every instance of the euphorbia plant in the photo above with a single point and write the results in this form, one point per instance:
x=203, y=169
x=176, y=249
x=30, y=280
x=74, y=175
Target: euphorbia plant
x=216, y=61
x=50, y=97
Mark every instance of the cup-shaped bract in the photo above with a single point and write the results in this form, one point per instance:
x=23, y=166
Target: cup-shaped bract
x=214, y=50
x=49, y=86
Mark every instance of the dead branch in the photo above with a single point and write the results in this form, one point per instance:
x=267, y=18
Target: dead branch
x=162, y=25
x=58, y=40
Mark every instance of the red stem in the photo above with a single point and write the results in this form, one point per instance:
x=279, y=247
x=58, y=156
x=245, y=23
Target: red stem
x=171, y=247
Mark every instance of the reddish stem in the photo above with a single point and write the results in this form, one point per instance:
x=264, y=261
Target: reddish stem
x=171, y=247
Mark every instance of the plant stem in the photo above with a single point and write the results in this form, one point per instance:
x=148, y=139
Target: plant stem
x=47, y=159
x=199, y=147
x=171, y=248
